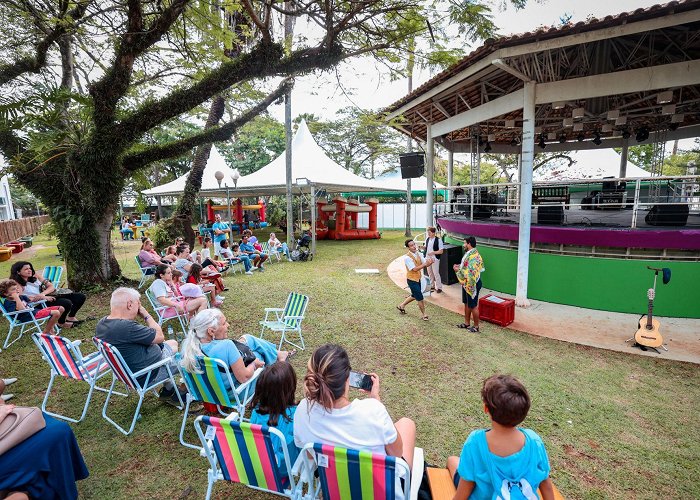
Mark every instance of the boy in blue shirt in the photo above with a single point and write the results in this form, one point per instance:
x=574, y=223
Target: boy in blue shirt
x=505, y=462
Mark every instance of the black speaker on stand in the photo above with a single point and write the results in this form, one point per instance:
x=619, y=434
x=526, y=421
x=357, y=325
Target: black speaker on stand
x=667, y=215
x=552, y=215
x=412, y=165
x=451, y=255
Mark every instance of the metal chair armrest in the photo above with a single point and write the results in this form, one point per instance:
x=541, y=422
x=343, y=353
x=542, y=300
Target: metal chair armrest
x=152, y=367
x=41, y=302
x=273, y=309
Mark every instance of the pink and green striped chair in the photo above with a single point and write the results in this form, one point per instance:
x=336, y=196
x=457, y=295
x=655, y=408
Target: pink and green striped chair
x=209, y=387
x=66, y=360
x=346, y=474
x=242, y=452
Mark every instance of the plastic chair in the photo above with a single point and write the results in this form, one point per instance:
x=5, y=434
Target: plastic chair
x=122, y=372
x=53, y=274
x=271, y=251
x=347, y=474
x=286, y=320
x=66, y=360
x=13, y=318
x=145, y=274
x=209, y=387
x=160, y=312
x=243, y=453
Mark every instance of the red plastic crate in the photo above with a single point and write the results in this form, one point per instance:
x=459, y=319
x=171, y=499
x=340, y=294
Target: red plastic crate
x=502, y=313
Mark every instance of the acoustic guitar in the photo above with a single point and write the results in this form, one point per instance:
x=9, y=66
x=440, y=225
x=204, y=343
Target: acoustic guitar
x=648, y=333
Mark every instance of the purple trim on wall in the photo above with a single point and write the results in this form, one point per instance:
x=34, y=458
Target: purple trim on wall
x=671, y=238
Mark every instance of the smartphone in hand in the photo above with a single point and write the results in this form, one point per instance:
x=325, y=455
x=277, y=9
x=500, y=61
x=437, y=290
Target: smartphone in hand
x=360, y=381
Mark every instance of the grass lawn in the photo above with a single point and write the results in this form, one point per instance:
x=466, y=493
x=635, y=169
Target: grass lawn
x=615, y=425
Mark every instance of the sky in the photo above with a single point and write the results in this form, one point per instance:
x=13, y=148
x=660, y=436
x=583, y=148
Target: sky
x=363, y=84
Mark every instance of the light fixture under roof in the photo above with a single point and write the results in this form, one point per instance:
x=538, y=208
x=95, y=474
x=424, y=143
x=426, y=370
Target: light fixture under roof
x=668, y=109
x=558, y=105
x=621, y=121
x=510, y=123
x=538, y=130
x=613, y=114
x=568, y=122
x=578, y=127
x=552, y=136
x=606, y=128
x=664, y=97
x=677, y=118
x=577, y=113
x=492, y=137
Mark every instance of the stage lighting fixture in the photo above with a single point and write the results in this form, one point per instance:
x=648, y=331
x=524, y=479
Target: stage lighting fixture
x=552, y=136
x=607, y=128
x=492, y=138
x=562, y=138
x=578, y=127
x=577, y=113
x=487, y=148
x=558, y=105
x=568, y=122
x=674, y=126
x=677, y=118
x=664, y=97
x=510, y=123
x=668, y=109
x=642, y=134
x=622, y=120
x=580, y=137
x=542, y=144
x=596, y=139
x=613, y=114
x=626, y=134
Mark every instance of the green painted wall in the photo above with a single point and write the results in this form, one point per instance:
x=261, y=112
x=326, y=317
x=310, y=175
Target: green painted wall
x=596, y=283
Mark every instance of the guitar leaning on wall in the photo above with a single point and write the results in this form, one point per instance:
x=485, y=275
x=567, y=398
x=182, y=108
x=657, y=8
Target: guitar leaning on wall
x=648, y=333
x=648, y=327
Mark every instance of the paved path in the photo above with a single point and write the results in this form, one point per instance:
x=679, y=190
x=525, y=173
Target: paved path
x=606, y=330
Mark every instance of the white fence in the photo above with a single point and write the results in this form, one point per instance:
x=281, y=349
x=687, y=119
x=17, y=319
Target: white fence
x=393, y=216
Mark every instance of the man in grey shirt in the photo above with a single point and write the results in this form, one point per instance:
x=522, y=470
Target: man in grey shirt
x=140, y=345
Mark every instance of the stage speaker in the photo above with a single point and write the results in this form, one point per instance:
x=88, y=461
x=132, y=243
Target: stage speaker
x=667, y=215
x=412, y=165
x=451, y=255
x=550, y=215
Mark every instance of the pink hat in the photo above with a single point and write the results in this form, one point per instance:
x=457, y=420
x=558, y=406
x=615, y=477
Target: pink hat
x=190, y=290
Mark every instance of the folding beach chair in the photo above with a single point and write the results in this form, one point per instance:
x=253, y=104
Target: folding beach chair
x=160, y=311
x=286, y=320
x=346, y=474
x=34, y=324
x=121, y=372
x=243, y=453
x=66, y=360
x=146, y=271
x=53, y=274
x=271, y=251
x=209, y=387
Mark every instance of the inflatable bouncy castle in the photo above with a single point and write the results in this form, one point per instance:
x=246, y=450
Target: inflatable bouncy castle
x=338, y=220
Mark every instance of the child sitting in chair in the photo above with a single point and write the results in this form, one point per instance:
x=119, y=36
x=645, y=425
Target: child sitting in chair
x=504, y=461
x=10, y=291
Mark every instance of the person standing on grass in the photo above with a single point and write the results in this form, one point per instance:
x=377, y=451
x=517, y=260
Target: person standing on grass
x=469, y=276
x=434, y=248
x=415, y=262
x=220, y=230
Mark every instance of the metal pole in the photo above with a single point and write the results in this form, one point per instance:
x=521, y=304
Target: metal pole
x=313, y=220
x=635, y=207
x=528, y=155
x=450, y=169
x=228, y=202
x=430, y=174
x=623, y=157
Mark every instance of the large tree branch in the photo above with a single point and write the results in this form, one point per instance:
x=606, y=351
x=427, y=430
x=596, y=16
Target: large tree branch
x=140, y=159
x=34, y=63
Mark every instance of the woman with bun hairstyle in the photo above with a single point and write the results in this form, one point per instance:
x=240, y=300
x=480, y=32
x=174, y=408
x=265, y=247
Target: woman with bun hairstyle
x=327, y=415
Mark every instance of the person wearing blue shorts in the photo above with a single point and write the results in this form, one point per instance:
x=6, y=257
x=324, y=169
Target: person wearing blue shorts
x=469, y=275
x=415, y=262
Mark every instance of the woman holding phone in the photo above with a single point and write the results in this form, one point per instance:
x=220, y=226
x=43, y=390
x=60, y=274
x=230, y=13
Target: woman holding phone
x=327, y=415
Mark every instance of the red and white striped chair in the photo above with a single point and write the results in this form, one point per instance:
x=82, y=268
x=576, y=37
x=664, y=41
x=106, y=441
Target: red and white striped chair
x=122, y=372
x=66, y=360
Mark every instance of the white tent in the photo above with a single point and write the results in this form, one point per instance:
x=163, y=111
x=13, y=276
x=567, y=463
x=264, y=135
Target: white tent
x=309, y=162
x=590, y=164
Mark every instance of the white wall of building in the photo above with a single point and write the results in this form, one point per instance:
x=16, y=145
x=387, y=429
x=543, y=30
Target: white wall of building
x=393, y=216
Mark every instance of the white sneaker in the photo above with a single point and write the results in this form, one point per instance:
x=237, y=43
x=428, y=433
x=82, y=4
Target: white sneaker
x=219, y=298
x=249, y=272
x=7, y=397
x=253, y=268
x=9, y=381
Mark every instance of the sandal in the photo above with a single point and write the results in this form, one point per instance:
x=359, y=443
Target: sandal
x=425, y=318
x=401, y=309
x=464, y=326
x=473, y=329
x=290, y=355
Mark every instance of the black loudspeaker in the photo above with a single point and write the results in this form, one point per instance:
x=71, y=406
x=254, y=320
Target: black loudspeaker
x=667, y=215
x=451, y=255
x=412, y=165
x=550, y=214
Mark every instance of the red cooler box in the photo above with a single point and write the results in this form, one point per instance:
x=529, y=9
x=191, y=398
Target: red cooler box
x=497, y=310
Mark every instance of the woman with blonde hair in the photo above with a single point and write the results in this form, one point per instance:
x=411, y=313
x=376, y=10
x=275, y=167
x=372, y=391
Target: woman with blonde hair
x=327, y=415
x=208, y=336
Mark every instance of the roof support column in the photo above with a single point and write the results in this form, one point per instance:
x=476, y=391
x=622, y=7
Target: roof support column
x=430, y=152
x=527, y=158
x=450, y=169
x=623, y=157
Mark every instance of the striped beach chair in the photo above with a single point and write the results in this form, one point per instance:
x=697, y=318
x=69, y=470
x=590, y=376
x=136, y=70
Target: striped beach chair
x=346, y=474
x=13, y=317
x=242, y=452
x=66, y=360
x=286, y=320
x=53, y=274
x=121, y=372
x=209, y=387
x=271, y=251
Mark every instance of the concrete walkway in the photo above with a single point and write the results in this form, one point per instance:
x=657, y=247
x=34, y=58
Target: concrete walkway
x=606, y=330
